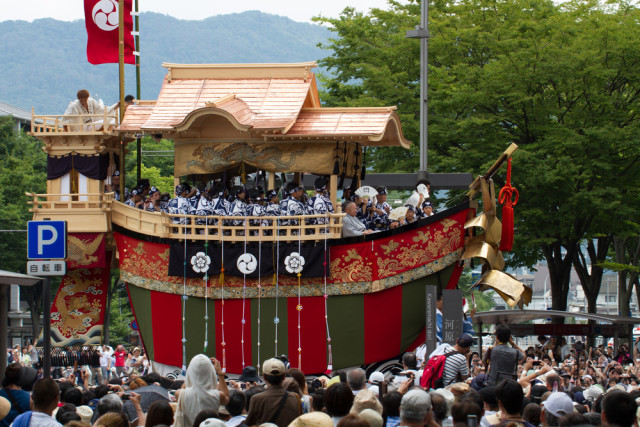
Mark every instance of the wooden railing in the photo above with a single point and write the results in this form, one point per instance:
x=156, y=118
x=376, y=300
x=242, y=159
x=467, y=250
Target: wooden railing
x=85, y=211
x=226, y=228
x=74, y=123
x=59, y=203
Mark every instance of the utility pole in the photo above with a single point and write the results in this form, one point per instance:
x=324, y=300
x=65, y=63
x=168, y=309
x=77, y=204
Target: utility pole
x=422, y=32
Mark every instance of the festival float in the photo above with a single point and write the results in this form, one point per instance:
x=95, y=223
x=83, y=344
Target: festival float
x=248, y=290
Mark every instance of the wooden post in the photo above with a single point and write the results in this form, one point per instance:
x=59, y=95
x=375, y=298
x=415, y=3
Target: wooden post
x=333, y=192
x=271, y=181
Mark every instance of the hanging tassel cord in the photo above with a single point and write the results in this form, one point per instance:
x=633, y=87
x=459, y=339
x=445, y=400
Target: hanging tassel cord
x=508, y=197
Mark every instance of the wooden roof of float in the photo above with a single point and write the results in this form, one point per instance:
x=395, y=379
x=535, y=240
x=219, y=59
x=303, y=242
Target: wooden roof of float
x=274, y=101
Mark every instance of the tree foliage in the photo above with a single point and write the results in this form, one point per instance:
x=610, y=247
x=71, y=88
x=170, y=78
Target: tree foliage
x=23, y=168
x=560, y=80
x=157, y=166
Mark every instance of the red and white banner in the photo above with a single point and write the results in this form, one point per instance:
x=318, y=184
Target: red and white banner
x=101, y=18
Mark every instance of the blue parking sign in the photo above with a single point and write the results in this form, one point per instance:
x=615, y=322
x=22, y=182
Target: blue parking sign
x=46, y=239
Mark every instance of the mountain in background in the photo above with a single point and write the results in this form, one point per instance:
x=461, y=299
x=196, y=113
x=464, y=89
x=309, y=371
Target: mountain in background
x=44, y=63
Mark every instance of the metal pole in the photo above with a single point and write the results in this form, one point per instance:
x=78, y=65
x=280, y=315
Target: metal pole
x=424, y=87
x=46, y=327
x=136, y=28
x=422, y=32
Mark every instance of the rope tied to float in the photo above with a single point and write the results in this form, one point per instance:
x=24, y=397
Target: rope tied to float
x=508, y=197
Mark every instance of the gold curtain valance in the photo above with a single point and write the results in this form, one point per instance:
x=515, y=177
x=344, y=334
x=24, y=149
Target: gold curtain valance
x=194, y=158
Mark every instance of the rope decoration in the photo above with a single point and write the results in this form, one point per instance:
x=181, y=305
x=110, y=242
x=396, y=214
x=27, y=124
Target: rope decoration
x=508, y=196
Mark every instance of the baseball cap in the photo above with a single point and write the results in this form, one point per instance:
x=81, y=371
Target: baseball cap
x=558, y=404
x=465, y=341
x=414, y=405
x=273, y=367
x=212, y=422
x=376, y=377
x=592, y=393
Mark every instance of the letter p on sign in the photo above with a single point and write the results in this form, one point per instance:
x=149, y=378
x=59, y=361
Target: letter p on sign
x=46, y=240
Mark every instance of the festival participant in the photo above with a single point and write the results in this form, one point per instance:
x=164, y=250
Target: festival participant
x=114, y=187
x=136, y=200
x=204, y=207
x=380, y=210
x=180, y=205
x=410, y=216
x=254, y=208
x=273, y=206
x=86, y=107
x=501, y=358
x=292, y=206
x=351, y=226
x=320, y=204
x=155, y=203
x=219, y=204
x=420, y=194
x=427, y=208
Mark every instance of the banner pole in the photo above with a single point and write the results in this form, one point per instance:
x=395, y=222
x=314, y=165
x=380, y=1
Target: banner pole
x=121, y=109
x=136, y=28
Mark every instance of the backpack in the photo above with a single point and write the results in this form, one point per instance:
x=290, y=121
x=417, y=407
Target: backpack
x=432, y=374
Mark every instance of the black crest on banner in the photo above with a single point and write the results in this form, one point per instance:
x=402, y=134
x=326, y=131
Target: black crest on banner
x=250, y=261
x=197, y=262
x=307, y=260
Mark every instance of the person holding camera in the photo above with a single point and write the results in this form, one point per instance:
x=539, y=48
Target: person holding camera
x=503, y=358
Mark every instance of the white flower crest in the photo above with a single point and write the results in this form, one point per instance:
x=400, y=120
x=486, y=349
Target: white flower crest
x=200, y=262
x=294, y=262
x=247, y=263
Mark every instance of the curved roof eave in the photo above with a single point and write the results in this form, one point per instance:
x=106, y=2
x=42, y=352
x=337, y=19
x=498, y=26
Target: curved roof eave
x=210, y=111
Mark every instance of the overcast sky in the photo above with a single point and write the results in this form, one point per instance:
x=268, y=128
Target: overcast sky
x=298, y=10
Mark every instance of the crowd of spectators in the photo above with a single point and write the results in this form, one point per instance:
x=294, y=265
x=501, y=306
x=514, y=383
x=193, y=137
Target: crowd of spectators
x=550, y=384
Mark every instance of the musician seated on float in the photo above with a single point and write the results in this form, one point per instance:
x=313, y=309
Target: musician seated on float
x=410, y=216
x=351, y=225
x=180, y=205
x=86, y=107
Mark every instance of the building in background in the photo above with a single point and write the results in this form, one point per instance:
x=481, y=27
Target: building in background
x=21, y=118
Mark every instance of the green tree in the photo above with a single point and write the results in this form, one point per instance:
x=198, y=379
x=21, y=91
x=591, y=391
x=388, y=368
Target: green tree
x=23, y=168
x=118, y=318
x=157, y=166
x=560, y=80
